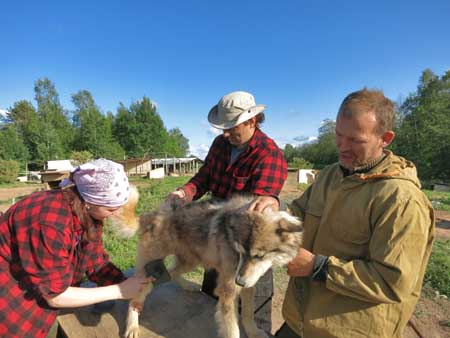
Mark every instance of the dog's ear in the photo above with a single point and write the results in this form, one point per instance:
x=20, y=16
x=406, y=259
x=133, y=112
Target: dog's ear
x=268, y=210
x=288, y=223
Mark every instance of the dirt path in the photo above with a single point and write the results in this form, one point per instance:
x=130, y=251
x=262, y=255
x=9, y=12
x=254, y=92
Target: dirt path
x=7, y=193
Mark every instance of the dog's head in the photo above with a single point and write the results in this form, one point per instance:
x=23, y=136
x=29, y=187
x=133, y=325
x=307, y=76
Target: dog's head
x=272, y=238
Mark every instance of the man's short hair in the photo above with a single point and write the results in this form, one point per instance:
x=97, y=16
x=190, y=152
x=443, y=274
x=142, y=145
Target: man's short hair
x=364, y=101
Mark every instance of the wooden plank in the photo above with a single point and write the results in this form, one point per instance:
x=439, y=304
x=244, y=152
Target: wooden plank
x=168, y=312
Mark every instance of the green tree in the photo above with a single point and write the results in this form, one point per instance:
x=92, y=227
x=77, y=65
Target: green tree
x=12, y=146
x=140, y=130
x=299, y=163
x=79, y=157
x=422, y=131
x=9, y=170
x=26, y=120
x=323, y=151
x=290, y=152
x=93, y=130
x=56, y=132
x=177, y=144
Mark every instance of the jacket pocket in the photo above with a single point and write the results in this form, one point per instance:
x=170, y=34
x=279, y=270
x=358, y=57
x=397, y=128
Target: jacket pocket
x=240, y=182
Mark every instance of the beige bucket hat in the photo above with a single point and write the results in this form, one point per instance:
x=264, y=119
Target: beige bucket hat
x=233, y=109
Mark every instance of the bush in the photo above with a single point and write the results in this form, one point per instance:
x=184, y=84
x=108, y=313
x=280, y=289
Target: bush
x=9, y=170
x=300, y=163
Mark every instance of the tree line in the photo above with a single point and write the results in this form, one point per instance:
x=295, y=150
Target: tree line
x=48, y=131
x=422, y=130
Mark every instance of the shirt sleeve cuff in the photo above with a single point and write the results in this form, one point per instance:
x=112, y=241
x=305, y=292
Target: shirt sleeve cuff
x=320, y=269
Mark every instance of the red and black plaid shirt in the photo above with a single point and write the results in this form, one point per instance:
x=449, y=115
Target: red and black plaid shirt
x=42, y=252
x=260, y=170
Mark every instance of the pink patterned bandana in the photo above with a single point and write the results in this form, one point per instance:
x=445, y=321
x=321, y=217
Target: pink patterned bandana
x=102, y=182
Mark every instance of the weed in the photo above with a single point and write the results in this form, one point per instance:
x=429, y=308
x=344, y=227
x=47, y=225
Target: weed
x=437, y=274
x=439, y=199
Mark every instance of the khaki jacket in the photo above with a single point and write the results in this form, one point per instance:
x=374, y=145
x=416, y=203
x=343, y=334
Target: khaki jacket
x=377, y=230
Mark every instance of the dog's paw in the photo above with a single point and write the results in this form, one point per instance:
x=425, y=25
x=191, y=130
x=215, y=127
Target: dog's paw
x=132, y=324
x=132, y=332
x=187, y=285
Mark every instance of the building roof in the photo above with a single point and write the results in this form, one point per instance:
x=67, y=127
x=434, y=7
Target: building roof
x=170, y=160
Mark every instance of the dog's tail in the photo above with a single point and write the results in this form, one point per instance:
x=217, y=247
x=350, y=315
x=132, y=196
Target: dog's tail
x=126, y=222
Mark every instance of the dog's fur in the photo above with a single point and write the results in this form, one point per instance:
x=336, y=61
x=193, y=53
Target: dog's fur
x=239, y=244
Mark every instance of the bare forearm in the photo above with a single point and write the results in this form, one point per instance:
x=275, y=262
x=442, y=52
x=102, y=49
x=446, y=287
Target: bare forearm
x=76, y=297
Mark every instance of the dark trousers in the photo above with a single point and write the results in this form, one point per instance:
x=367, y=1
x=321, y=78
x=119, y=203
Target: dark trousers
x=286, y=332
x=263, y=296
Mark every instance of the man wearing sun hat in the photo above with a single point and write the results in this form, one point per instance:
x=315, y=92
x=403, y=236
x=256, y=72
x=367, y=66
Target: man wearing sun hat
x=242, y=159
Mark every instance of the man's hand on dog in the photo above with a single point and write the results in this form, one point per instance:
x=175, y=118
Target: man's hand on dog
x=178, y=195
x=302, y=265
x=260, y=203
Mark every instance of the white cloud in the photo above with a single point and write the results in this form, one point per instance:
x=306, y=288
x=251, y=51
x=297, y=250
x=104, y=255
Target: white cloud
x=3, y=112
x=213, y=132
x=199, y=150
x=295, y=141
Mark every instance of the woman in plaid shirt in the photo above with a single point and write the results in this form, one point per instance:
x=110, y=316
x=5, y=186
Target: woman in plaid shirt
x=50, y=240
x=241, y=160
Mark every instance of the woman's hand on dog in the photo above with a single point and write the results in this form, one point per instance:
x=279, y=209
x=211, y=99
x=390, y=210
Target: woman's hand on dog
x=133, y=286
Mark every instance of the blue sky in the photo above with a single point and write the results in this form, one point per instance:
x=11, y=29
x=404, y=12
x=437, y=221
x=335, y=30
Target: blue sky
x=300, y=58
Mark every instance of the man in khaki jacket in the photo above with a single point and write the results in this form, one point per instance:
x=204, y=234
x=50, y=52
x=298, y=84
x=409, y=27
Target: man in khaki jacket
x=368, y=234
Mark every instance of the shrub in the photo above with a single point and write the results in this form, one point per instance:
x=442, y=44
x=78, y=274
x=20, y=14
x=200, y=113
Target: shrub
x=9, y=170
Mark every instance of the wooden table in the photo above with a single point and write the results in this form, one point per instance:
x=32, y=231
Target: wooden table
x=169, y=312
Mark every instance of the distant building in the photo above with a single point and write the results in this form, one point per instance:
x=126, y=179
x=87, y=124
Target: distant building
x=152, y=167
x=441, y=187
x=137, y=166
x=307, y=176
x=55, y=172
x=178, y=165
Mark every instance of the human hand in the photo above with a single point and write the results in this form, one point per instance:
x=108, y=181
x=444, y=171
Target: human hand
x=262, y=202
x=302, y=265
x=178, y=196
x=133, y=286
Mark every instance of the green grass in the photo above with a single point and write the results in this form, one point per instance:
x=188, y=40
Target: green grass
x=439, y=199
x=438, y=269
x=18, y=184
x=303, y=186
x=151, y=193
x=9, y=201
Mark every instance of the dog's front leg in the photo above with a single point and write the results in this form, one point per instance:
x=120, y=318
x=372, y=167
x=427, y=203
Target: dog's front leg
x=137, y=304
x=226, y=314
x=248, y=316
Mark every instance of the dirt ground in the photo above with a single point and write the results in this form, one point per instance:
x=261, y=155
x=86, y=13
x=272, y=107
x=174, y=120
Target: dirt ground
x=8, y=193
x=432, y=315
